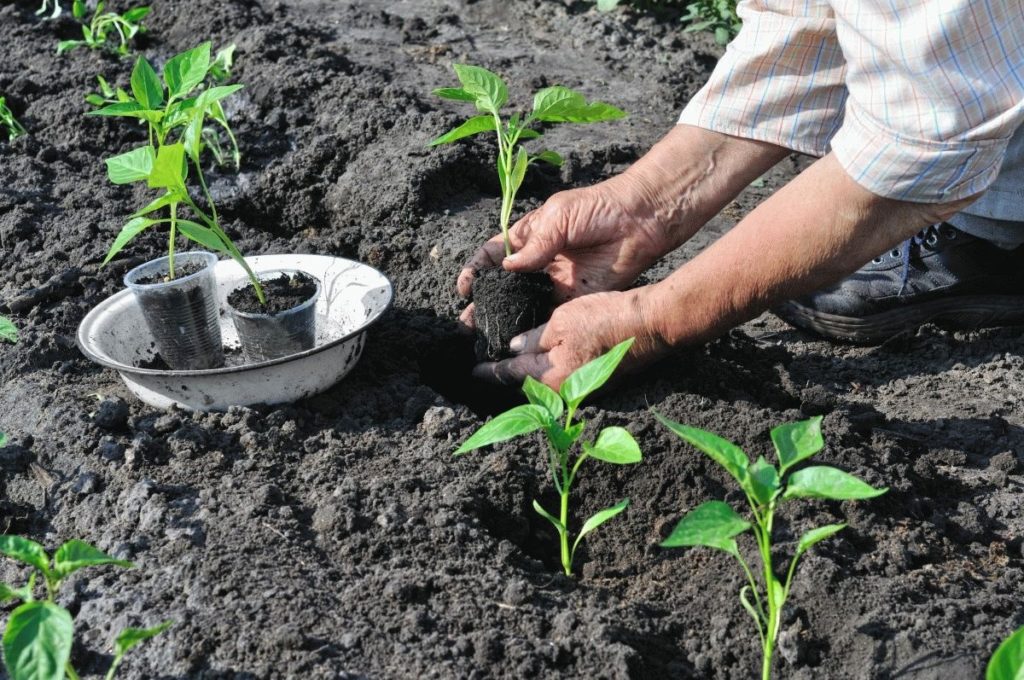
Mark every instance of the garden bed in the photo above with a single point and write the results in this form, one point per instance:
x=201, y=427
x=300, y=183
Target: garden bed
x=338, y=537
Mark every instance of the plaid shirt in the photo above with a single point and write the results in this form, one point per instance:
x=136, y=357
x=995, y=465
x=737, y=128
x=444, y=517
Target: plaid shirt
x=917, y=99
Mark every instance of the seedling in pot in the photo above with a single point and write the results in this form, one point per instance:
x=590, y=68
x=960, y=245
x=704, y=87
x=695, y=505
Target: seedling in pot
x=39, y=634
x=1007, y=663
x=174, y=109
x=104, y=27
x=715, y=524
x=9, y=122
x=551, y=105
x=545, y=413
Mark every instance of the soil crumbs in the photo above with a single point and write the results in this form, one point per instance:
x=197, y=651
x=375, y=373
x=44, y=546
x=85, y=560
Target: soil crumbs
x=507, y=304
x=338, y=537
x=283, y=292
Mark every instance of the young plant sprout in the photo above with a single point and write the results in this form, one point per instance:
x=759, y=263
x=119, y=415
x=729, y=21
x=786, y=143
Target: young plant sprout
x=1007, y=663
x=544, y=412
x=103, y=26
x=8, y=331
x=551, y=105
x=37, y=641
x=7, y=119
x=45, y=7
x=175, y=110
x=716, y=525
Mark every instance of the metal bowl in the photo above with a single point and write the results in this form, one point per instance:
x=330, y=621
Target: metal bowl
x=354, y=296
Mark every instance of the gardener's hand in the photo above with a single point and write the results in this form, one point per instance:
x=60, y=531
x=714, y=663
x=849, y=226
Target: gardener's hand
x=580, y=330
x=588, y=240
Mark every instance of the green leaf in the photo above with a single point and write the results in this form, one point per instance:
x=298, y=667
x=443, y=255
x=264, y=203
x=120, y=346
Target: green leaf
x=220, y=69
x=592, y=375
x=185, y=71
x=615, y=445
x=795, y=442
x=204, y=236
x=564, y=439
x=763, y=480
x=26, y=551
x=169, y=167
x=105, y=87
x=95, y=99
x=9, y=332
x=828, y=482
x=549, y=157
x=529, y=134
x=130, y=230
x=488, y=89
x=713, y=524
x=754, y=614
x=722, y=451
x=76, y=554
x=160, y=202
x=215, y=94
x=129, y=109
x=561, y=105
x=129, y=637
x=192, y=139
x=77, y=8
x=67, y=45
x=513, y=423
x=597, y=520
x=1007, y=663
x=455, y=93
x=136, y=14
x=559, y=527
x=519, y=169
x=722, y=35
x=146, y=85
x=607, y=5
x=37, y=642
x=8, y=593
x=817, y=536
x=541, y=395
x=474, y=125
x=3, y=439
x=132, y=166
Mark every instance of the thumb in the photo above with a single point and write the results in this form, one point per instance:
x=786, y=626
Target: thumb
x=540, y=249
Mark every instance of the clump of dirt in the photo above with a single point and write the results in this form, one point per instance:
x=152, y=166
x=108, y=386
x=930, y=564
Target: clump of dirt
x=507, y=304
x=338, y=537
x=283, y=292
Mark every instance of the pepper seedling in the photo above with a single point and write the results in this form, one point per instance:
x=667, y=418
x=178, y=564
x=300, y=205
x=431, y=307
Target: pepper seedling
x=1007, y=663
x=544, y=412
x=551, y=105
x=45, y=7
x=174, y=110
x=10, y=123
x=715, y=524
x=37, y=641
x=103, y=26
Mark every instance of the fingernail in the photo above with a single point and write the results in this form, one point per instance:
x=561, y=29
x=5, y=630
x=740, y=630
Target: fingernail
x=517, y=344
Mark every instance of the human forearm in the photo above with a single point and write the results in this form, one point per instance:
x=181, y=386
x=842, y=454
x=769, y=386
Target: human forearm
x=689, y=176
x=816, y=230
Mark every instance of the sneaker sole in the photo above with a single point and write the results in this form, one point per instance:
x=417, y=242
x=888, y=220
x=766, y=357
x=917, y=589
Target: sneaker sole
x=967, y=312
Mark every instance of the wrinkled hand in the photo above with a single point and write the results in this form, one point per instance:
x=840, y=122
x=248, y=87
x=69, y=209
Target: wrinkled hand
x=588, y=240
x=579, y=330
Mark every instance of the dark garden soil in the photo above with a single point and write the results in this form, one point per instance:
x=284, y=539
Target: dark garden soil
x=337, y=538
x=507, y=304
x=283, y=292
x=180, y=272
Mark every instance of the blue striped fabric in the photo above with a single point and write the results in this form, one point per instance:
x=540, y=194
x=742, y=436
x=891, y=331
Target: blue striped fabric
x=916, y=99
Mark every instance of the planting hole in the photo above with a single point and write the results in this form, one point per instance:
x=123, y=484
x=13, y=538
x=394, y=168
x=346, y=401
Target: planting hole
x=447, y=369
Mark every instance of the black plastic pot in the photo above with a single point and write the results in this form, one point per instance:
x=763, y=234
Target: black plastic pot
x=507, y=304
x=277, y=332
x=182, y=314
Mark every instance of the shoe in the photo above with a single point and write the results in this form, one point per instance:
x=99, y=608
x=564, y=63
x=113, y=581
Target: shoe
x=942, y=275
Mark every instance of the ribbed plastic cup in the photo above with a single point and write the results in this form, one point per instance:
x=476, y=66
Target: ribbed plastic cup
x=182, y=314
x=270, y=336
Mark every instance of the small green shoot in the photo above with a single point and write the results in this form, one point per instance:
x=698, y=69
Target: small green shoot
x=45, y=7
x=1007, y=663
x=175, y=110
x=220, y=67
x=8, y=331
x=37, y=641
x=716, y=16
x=10, y=123
x=544, y=412
x=489, y=94
x=715, y=524
x=104, y=27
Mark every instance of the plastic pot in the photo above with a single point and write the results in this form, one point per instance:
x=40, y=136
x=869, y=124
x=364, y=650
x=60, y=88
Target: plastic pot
x=182, y=314
x=271, y=335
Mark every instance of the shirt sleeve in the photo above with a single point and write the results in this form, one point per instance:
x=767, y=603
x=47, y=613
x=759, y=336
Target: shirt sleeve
x=781, y=79
x=936, y=90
